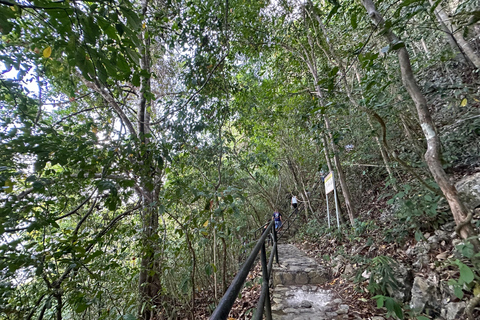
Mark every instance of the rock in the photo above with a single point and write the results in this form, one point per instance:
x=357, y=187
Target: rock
x=366, y=274
x=469, y=190
x=348, y=270
x=442, y=256
x=422, y=247
x=448, y=227
x=456, y=242
x=404, y=279
x=426, y=293
x=306, y=304
x=422, y=261
x=377, y=318
x=301, y=278
x=343, y=309
x=331, y=315
x=434, y=242
x=442, y=235
x=338, y=263
x=371, y=252
x=291, y=310
x=410, y=251
x=337, y=301
x=454, y=310
x=288, y=278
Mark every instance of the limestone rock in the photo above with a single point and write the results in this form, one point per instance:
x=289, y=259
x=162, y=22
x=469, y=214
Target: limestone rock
x=469, y=190
x=426, y=293
x=348, y=270
x=404, y=279
x=454, y=310
x=306, y=304
x=421, y=261
x=343, y=309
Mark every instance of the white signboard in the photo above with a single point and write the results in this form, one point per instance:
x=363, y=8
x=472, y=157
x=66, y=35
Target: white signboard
x=329, y=183
x=329, y=186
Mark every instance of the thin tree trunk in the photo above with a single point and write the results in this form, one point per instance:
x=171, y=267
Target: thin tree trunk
x=58, y=296
x=330, y=168
x=327, y=152
x=192, y=276
x=224, y=266
x=433, y=155
x=384, y=154
x=149, y=283
x=463, y=44
x=341, y=175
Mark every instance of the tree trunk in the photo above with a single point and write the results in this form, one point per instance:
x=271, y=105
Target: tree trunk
x=433, y=154
x=327, y=152
x=58, y=296
x=149, y=283
x=330, y=168
x=341, y=175
x=463, y=44
x=224, y=266
x=192, y=276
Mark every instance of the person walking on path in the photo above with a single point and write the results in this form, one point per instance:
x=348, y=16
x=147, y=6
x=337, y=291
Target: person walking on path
x=294, y=202
x=277, y=217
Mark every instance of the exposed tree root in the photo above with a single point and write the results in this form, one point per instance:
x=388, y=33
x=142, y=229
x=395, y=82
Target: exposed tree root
x=471, y=306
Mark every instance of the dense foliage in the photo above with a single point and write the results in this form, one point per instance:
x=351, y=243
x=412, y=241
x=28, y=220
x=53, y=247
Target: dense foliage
x=142, y=141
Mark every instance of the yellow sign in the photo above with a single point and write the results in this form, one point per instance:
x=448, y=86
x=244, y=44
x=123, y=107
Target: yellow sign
x=329, y=183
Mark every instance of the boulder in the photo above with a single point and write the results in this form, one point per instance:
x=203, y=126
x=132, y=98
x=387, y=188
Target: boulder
x=404, y=279
x=454, y=310
x=348, y=270
x=338, y=262
x=469, y=189
x=426, y=294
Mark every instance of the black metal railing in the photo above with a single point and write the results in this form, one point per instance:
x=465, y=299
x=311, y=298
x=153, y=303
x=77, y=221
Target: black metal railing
x=228, y=299
x=263, y=305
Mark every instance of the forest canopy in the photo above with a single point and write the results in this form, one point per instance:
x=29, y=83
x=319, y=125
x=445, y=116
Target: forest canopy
x=141, y=141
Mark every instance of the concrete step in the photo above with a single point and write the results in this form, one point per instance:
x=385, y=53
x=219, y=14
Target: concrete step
x=297, y=292
x=307, y=302
x=297, y=269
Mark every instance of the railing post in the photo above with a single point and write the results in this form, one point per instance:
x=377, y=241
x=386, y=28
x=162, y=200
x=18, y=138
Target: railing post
x=268, y=307
x=275, y=243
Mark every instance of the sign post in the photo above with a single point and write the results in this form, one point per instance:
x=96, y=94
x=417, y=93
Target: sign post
x=330, y=186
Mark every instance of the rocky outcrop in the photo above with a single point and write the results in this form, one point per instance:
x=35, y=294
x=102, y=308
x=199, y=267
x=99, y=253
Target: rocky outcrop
x=426, y=294
x=469, y=189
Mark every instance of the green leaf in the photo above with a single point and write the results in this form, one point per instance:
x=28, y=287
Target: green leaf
x=419, y=236
x=120, y=28
x=466, y=274
x=397, y=46
x=82, y=306
x=132, y=18
x=458, y=292
x=380, y=299
x=398, y=311
x=353, y=20
x=136, y=80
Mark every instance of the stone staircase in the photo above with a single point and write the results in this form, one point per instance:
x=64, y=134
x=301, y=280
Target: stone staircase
x=296, y=293
x=296, y=268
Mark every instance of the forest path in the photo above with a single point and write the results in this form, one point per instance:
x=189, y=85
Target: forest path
x=297, y=294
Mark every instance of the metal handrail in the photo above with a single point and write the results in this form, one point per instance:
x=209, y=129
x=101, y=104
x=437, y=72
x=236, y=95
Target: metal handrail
x=226, y=303
x=294, y=213
x=289, y=220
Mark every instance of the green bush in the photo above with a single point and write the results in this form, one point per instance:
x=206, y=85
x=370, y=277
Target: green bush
x=415, y=212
